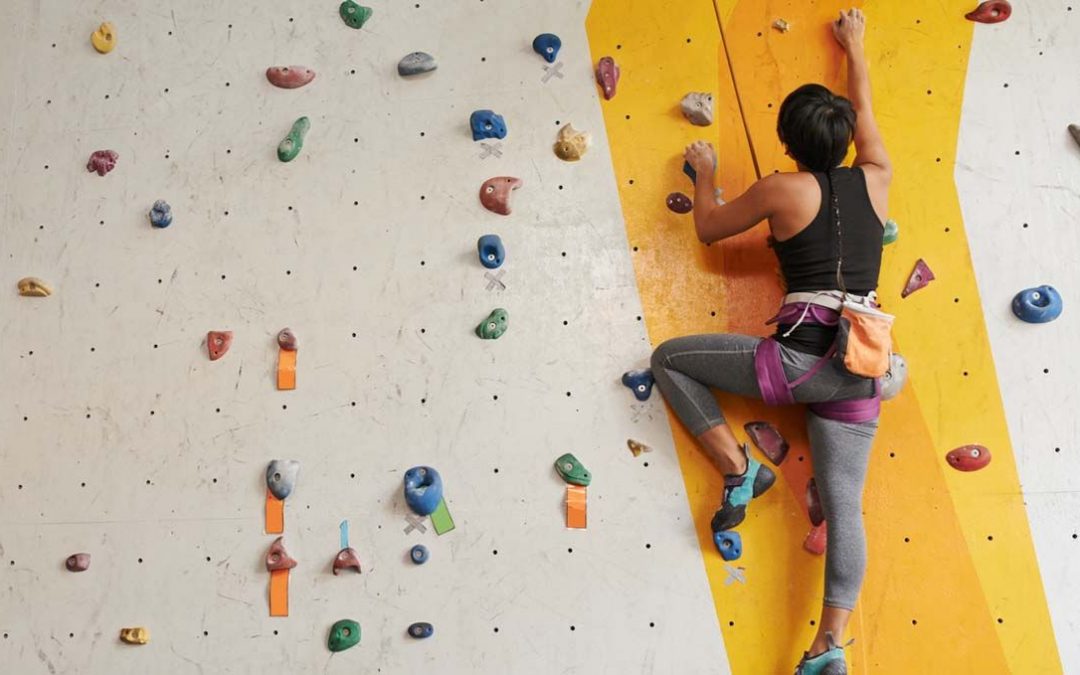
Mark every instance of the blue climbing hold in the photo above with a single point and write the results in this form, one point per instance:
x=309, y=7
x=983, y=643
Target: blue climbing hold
x=548, y=46
x=161, y=214
x=689, y=171
x=640, y=382
x=418, y=554
x=729, y=543
x=487, y=124
x=421, y=630
x=490, y=249
x=1041, y=304
x=423, y=490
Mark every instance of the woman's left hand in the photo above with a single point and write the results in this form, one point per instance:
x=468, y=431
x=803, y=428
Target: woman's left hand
x=702, y=157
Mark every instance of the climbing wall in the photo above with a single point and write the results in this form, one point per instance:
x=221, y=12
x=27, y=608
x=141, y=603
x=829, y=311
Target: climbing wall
x=119, y=438
x=954, y=584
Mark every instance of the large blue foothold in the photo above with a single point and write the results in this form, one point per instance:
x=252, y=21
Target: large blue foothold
x=418, y=554
x=548, y=46
x=421, y=630
x=487, y=124
x=161, y=214
x=729, y=543
x=640, y=382
x=423, y=490
x=490, y=249
x=1041, y=304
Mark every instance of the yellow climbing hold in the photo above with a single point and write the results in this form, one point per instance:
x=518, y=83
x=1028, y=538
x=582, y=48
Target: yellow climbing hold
x=135, y=636
x=33, y=287
x=104, y=38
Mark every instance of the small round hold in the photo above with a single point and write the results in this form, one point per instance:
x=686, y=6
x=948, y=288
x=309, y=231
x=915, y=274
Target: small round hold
x=1041, y=304
x=421, y=630
x=161, y=214
x=287, y=340
x=78, y=562
x=679, y=203
x=418, y=554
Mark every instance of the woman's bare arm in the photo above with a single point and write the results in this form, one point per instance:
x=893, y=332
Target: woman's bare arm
x=715, y=221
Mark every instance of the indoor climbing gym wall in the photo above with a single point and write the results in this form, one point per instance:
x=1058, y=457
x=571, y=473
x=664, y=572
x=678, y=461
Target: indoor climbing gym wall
x=326, y=324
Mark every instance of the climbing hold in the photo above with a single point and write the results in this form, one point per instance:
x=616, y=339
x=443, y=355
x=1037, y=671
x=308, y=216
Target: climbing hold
x=991, y=11
x=495, y=194
x=494, y=325
x=161, y=214
x=102, y=161
x=1074, y=129
x=104, y=38
x=697, y=107
x=487, y=124
x=217, y=343
x=816, y=539
x=679, y=203
x=640, y=382
x=421, y=630
x=354, y=15
x=768, y=440
x=416, y=63
x=729, y=544
x=490, y=249
x=32, y=287
x=813, y=503
x=572, y=470
x=289, y=77
x=347, y=559
x=1041, y=304
x=277, y=558
x=281, y=477
x=607, y=76
x=688, y=169
x=78, y=562
x=892, y=232
x=637, y=447
x=343, y=634
x=571, y=144
x=291, y=145
x=920, y=277
x=547, y=45
x=135, y=636
x=893, y=380
x=286, y=339
x=968, y=457
x=423, y=490
x=781, y=25
x=418, y=554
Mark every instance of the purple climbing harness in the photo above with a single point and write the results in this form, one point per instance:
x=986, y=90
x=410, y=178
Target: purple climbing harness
x=773, y=382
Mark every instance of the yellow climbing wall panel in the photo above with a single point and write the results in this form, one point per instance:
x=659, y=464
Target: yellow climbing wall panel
x=952, y=583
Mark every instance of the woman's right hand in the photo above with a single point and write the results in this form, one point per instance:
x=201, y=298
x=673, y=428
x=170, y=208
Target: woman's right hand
x=849, y=29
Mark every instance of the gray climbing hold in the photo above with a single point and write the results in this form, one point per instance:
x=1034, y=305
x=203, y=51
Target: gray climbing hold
x=893, y=380
x=416, y=63
x=1074, y=129
x=281, y=477
x=697, y=107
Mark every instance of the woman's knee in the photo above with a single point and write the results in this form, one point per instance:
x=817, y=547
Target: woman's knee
x=661, y=354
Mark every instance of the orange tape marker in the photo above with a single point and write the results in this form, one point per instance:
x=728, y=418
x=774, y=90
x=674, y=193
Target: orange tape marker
x=286, y=369
x=279, y=593
x=275, y=514
x=575, y=507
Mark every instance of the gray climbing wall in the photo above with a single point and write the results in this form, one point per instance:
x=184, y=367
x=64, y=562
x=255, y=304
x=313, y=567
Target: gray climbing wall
x=1021, y=201
x=119, y=438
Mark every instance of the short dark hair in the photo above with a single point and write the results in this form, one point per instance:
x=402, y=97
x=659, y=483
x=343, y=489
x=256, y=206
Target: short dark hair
x=817, y=126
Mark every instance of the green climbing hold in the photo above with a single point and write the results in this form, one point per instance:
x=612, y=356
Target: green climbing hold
x=892, y=232
x=291, y=145
x=572, y=470
x=494, y=326
x=353, y=14
x=343, y=634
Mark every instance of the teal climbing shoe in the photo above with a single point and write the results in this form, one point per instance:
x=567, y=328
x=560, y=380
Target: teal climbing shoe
x=829, y=662
x=739, y=490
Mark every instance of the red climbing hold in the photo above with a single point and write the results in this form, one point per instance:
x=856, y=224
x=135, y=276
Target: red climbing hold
x=217, y=343
x=495, y=193
x=813, y=503
x=102, y=162
x=346, y=559
x=816, y=539
x=991, y=11
x=277, y=558
x=289, y=77
x=679, y=203
x=968, y=457
x=607, y=76
x=768, y=440
x=920, y=277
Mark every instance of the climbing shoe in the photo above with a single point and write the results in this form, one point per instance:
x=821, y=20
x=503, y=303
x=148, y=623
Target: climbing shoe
x=829, y=662
x=739, y=490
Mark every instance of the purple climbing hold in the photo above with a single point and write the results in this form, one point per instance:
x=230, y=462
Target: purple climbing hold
x=679, y=203
x=78, y=562
x=813, y=503
x=920, y=277
x=102, y=161
x=607, y=76
x=767, y=439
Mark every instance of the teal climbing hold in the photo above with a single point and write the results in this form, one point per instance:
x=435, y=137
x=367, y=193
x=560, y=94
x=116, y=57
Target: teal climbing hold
x=354, y=15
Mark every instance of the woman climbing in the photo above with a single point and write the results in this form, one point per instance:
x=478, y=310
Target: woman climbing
x=826, y=226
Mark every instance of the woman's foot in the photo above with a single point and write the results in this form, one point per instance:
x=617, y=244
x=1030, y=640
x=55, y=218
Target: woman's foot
x=739, y=489
x=829, y=662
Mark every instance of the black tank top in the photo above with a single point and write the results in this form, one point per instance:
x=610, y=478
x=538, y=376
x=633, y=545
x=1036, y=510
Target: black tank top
x=808, y=260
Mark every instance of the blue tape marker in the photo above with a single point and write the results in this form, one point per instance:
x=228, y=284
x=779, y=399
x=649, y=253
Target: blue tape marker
x=344, y=534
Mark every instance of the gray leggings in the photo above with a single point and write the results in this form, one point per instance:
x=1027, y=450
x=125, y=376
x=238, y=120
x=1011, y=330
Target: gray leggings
x=686, y=367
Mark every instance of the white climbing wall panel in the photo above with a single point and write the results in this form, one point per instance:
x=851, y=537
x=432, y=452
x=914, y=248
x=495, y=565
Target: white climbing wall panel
x=119, y=438
x=1018, y=176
